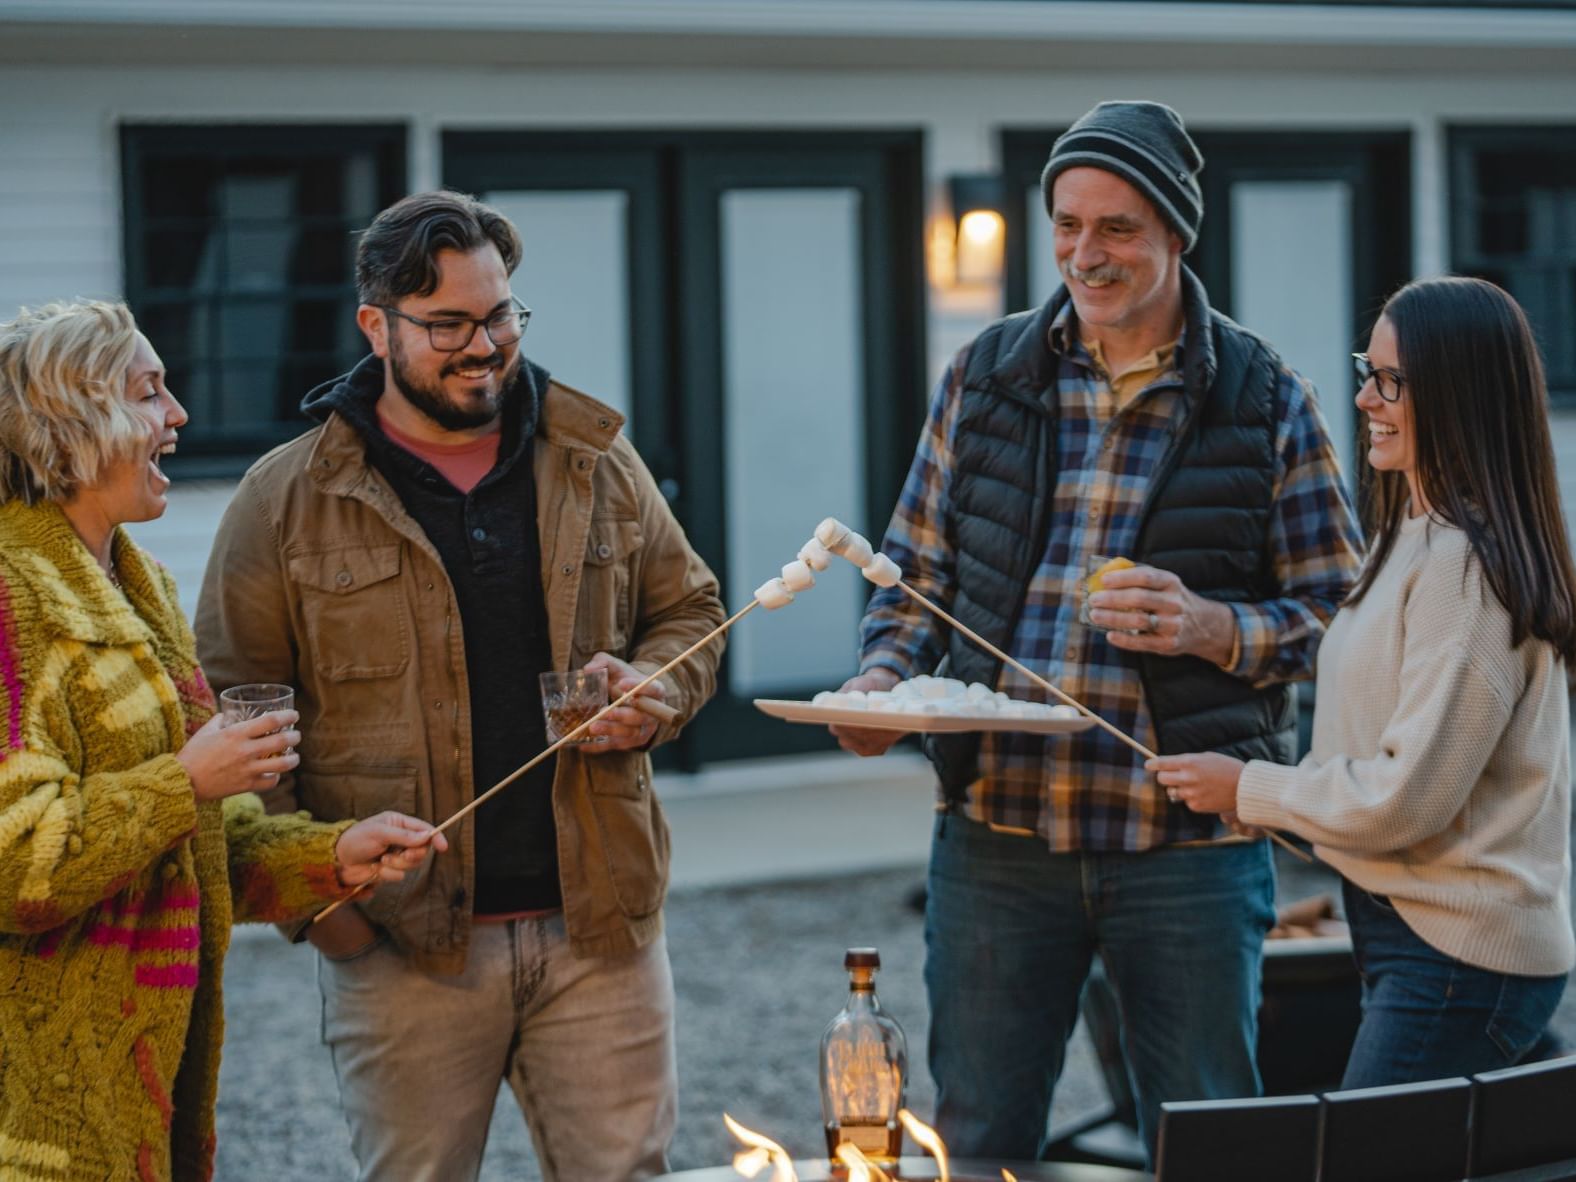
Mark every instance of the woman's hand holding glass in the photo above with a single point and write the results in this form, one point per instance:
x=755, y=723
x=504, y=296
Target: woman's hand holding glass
x=245, y=756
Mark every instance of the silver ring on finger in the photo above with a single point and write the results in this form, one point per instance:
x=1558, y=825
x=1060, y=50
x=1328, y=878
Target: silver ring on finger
x=1173, y=794
x=1154, y=622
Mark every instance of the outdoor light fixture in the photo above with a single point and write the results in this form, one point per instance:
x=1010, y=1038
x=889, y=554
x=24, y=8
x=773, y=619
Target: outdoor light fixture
x=981, y=231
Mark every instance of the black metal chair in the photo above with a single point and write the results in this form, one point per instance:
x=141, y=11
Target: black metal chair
x=1239, y=1140
x=1523, y=1117
x=1406, y=1133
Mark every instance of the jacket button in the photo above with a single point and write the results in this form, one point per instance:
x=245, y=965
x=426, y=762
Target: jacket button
x=344, y=578
x=604, y=551
x=582, y=463
x=479, y=534
x=568, y=570
x=603, y=422
x=437, y=705
x=62, y=1080
x=171, y=869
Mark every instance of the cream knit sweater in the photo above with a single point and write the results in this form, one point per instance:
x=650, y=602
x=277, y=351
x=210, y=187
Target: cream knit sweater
x=1440, y=768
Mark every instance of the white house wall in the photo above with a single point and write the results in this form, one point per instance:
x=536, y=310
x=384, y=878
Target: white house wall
x=60, y=168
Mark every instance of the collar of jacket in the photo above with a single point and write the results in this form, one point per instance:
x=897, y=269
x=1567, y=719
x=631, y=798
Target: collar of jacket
x=1028, y=357
x=77, y=598
x=563, y=417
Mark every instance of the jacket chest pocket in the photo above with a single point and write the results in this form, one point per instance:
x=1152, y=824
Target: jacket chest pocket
x=354, y=615
x=603, y=614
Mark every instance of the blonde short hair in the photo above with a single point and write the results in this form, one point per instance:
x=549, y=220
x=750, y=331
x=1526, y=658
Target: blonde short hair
x=63, y=411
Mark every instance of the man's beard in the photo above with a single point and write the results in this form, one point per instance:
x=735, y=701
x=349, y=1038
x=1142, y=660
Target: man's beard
x=431, y=401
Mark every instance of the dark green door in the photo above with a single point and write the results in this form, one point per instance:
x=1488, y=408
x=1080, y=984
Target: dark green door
x=754, y=303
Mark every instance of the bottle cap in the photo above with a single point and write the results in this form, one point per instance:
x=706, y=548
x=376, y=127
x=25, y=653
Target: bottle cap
x=862, y=958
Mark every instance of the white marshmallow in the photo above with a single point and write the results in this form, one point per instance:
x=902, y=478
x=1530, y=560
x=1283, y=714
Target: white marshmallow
x=857, y=549
x=797, y=576
x=882, y=571
x=830, y=533
x=814, y=555
x=773, y=594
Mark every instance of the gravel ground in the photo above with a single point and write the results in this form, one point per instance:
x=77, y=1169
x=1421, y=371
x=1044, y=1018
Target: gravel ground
x=758, y=972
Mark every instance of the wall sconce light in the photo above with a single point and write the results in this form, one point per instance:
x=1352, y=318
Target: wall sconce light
x=981, y=230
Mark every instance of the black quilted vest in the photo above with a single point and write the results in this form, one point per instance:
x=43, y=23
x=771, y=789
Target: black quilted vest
x=1205, y=516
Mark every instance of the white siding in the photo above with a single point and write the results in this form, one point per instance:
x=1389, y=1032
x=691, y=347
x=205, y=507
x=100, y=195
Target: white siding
x=59, y=199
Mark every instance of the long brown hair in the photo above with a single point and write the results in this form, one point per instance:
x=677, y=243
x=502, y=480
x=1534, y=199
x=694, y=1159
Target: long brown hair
x=1480, y=423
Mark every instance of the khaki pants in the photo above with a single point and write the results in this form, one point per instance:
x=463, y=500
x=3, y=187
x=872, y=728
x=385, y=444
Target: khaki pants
x=585, y=1044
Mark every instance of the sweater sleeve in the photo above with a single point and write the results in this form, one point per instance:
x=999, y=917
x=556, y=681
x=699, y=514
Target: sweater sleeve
x=1455, y=703
x=282, y=867
x=68, y=842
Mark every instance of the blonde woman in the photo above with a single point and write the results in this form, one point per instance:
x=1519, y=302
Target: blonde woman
x=128, y=835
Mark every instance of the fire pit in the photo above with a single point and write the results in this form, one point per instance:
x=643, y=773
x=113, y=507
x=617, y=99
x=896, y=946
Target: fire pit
x=924, y=1169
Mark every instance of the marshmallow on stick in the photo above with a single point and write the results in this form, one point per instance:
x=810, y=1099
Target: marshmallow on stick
x=796, y=576
x=839, y=539
x=773, y=594
x=815, y=556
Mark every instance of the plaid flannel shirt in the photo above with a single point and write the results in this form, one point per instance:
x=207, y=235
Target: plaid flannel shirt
x=1088, y=791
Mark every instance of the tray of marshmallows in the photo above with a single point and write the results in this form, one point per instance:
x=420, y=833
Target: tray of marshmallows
x=929, y=705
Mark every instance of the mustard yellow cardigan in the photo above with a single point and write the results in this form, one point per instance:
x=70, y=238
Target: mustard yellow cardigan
x=117, y=889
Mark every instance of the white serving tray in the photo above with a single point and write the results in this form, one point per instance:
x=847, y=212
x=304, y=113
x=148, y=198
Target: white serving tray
x=930, y=724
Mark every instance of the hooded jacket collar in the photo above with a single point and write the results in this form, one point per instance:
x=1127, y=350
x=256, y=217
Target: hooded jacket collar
x=535, y=406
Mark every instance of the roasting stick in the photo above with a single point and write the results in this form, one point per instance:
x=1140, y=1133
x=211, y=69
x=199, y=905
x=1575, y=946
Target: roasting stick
x=621, y=700
x=1067, y=698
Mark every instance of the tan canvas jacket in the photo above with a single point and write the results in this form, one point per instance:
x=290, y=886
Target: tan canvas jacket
x=320, y=579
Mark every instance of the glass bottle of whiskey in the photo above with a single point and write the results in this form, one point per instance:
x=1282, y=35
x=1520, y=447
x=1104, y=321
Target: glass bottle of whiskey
x=864, y=1068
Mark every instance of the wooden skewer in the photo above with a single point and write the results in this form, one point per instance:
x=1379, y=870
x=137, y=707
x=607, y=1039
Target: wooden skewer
x=622, y=699
x=1065, y=698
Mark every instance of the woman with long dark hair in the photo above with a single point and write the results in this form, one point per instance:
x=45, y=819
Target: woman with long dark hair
x=1438, y=784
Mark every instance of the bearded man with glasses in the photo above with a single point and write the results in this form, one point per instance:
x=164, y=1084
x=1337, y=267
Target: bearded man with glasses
x=459, y=523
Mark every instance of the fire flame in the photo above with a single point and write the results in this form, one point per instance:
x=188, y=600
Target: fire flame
x=927, y=1138
x=763, y=1150
x=860, y=1167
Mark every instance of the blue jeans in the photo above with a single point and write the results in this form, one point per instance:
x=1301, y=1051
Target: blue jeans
x=1010, y=929
x=1427, y=1015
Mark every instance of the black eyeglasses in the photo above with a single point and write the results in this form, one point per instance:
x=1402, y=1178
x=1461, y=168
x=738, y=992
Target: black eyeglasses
x=1387, y=381
x=503, y=327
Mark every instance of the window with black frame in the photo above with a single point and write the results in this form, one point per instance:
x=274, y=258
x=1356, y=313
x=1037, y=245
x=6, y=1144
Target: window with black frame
x=239, y=249
x=1513, y=209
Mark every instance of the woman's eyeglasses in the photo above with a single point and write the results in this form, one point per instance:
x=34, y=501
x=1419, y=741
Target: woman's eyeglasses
x=1387, y=381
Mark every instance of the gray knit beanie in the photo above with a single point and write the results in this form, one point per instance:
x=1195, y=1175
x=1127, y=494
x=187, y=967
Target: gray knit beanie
x=1146, y=145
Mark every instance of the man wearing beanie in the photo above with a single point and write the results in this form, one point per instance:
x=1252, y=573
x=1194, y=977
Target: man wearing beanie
x=1125, y=418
